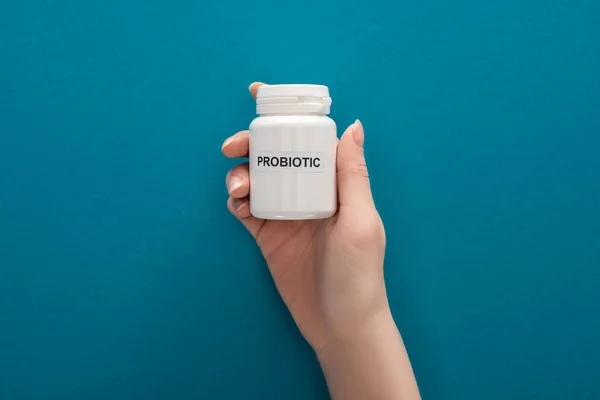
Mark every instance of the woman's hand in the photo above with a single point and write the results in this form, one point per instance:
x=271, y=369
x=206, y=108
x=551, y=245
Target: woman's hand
x=328, y=272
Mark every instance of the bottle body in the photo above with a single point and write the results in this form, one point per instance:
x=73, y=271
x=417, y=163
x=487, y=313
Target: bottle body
x=293, y=167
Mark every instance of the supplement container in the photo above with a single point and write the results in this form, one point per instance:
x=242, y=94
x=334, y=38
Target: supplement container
x=293, y=146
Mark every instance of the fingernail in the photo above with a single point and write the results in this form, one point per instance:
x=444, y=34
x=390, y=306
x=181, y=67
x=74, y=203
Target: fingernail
x=227, y=143
x=234, y=184
x=238, y=204
x=358, y=133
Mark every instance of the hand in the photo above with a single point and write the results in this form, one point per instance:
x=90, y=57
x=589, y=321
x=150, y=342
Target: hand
x=329, y=272
x=330, y=275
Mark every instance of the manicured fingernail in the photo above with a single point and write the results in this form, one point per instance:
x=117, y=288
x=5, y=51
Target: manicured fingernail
x=358, y=133
x=234, y=184
x=238, y=204
x=250, y=87
x=227, y=142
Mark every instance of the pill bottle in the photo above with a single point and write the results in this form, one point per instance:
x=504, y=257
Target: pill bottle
x=293, y=146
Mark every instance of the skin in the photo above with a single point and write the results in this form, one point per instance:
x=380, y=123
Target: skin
x=329, y=273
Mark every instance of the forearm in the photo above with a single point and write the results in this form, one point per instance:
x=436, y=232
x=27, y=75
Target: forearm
x=371, y=364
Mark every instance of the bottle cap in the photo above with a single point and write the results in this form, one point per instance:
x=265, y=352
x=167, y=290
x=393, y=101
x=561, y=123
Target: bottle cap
x=293, y=99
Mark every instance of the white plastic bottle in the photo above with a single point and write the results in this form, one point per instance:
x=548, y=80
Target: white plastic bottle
x=293, y=146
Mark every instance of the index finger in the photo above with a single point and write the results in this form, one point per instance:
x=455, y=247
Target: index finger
x=237, y=145
x=254, y=88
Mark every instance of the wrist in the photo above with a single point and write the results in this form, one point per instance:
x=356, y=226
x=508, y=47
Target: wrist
x=364, y=337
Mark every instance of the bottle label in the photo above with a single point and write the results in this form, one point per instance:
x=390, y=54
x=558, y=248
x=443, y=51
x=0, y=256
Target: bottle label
x=286, y=161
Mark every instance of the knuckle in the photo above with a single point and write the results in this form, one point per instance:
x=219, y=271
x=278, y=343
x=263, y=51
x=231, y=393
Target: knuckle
x=369, y=231
x=359, y=169
x=372, y=229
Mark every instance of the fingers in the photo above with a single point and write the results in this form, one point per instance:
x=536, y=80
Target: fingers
x=238, y=178
x=254, y=88
x=237, y=145
x=238, y=187
x=354, y=188
x=238, y=181
x=240, y=208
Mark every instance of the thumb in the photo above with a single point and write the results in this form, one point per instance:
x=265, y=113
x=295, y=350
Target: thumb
x=354, y=189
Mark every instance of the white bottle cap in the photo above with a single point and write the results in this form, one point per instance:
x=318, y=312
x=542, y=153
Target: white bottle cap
x=293, y=99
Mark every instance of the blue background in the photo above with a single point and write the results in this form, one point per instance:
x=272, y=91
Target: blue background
x=122, y=275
